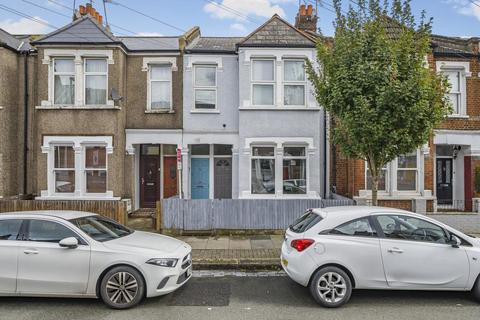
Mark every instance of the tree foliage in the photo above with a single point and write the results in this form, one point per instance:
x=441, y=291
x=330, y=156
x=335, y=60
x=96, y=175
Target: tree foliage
x=374, y=81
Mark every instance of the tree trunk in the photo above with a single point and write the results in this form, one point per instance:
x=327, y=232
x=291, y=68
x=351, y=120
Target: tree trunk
x=374, y=189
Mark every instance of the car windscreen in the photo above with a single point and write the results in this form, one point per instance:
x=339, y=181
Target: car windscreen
x=305, y=222
x=100, y=228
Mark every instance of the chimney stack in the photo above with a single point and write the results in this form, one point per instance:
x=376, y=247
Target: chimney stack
x=306, y=19
x=87, y=9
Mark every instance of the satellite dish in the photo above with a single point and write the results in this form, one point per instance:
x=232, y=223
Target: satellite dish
x=115, y=95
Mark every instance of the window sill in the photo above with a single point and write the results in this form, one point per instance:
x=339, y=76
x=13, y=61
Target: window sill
x=458, y=116
x=274, y=108
x=205, y=111
x=82, y=107
x=159, y=111
x=73, y=197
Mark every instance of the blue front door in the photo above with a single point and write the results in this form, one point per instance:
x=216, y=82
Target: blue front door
x=200, y=178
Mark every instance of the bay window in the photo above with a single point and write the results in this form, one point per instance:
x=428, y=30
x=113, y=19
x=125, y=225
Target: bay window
x=95, y=81
x=64, y=169
x=294, y=170
x=263, y=82
x=294, y=82
x=382, y=178
x=64, y=81
x=160, y=87
x=96, y=169
x=263, y=170
x=205, y=86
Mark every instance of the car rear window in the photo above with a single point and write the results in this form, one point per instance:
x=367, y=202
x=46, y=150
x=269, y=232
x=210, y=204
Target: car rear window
x=305, y=222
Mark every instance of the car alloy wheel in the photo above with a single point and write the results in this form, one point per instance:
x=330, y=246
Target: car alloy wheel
x=122, y=288
x=332, y=287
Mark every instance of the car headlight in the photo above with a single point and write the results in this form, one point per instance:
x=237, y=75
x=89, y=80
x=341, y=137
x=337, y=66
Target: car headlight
x=163, y=262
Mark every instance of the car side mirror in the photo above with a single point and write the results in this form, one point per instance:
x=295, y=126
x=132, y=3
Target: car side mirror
x=454, y=241
x=70, y=243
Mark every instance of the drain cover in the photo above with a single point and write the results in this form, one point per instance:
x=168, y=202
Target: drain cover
x=202, y=292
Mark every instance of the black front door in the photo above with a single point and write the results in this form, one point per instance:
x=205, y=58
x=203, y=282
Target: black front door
x=149, y=181
x=223, y=178
x=444, y=181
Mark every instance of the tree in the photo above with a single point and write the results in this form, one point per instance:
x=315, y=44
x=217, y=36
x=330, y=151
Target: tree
x=374, y=81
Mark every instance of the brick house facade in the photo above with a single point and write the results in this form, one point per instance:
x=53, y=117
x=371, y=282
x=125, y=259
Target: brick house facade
x=444, y=177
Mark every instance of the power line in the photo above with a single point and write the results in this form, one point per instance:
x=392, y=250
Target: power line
x=231, y=10
x=475, y=3
x=148, y=16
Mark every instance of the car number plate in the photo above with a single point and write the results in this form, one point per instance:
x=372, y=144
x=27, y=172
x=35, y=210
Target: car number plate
x=285, y=262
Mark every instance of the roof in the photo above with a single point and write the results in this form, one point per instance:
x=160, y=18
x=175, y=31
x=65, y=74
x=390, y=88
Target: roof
x=277, y=32
x=9, y=41
x=83, y=30
x=62, y=214
x=443, y=45
x=214, y=44
x=143, y=43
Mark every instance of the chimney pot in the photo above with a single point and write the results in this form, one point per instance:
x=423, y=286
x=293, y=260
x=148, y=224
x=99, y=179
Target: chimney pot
x=309, y=10
x=82, y=10
x=302, y=10
x=100, y=19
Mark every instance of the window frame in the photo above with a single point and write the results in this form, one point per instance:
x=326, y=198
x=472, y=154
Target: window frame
x=294, y=83
x=416, y=170
x=387, y=180
x=149, y=86
x=272, y=157
x=304, y=157
x=86, y=74
x=54, y=146
x=54, y=73
x=21, y=230
x=463, y=67
x=196, y=88
x=85, y=170
x=458, y=94
x=26, y=226
x=273, y=82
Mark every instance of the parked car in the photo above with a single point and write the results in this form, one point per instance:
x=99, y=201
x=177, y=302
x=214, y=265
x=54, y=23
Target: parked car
x=337, y=249
x=80, y=254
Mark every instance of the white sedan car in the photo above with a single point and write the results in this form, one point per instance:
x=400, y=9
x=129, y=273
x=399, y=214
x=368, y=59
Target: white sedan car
x=334, y=250
x=80, y=254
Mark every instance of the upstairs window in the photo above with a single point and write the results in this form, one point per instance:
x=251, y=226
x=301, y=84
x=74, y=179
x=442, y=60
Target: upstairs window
x=455, y=92
x=96, y=81
x=263, y=82
x=160, y=86
x=205, y=83
x=64, y=81
x=294, y=82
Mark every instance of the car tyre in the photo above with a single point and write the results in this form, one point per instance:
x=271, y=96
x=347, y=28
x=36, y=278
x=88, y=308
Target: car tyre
x=122, y=287
x=476, y=289
x=331, y=287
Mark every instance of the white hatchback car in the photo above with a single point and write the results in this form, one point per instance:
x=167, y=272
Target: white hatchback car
x=80, y=254
x=337, y=249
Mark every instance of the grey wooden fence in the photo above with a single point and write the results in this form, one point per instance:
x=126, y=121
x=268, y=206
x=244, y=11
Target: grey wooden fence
x=265, y=214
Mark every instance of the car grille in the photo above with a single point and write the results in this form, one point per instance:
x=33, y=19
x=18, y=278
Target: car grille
x=187, y=261
x=183, y=277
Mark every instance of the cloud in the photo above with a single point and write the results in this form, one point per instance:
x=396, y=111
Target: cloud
x=238, y=27
x=24, y=26
x=149, y=34
x=236, y=9
x=465, y=7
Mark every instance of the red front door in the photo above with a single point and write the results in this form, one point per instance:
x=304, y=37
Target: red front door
x=149, y=181
x=170, y=177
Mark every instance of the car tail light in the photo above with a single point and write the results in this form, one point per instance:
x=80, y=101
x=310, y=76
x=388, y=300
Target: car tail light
x=301, y=244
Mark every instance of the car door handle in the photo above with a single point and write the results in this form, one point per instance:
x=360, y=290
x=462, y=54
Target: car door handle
x=395, y=250
x=30, y=251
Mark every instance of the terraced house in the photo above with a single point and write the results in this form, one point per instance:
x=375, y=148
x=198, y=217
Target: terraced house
x=445, y=173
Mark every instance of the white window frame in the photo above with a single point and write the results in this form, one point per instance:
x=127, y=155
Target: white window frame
x=79, y=144
x=149, y=85
x=304, y=157
x=294, y=83
x=273, y=82
x=205, y=88
x=463, y=67
x=273, y=157
x=55, y=73
x=86, y=170
x=62, y=169
x=90, y=73
x=386, y=169
x=397, y=169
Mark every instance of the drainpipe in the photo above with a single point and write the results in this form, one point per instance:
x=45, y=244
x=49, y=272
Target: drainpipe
x=26, y=97
x=325, y=167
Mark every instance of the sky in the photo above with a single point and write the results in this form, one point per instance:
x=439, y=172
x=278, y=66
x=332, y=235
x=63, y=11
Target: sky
x=216, y=18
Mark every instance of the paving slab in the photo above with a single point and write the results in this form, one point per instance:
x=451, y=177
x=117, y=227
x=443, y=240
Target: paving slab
x=220, y=243
x=262, y=244
x=240, y=244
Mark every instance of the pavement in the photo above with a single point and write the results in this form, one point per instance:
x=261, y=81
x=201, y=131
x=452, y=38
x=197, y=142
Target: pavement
x=243, y=296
